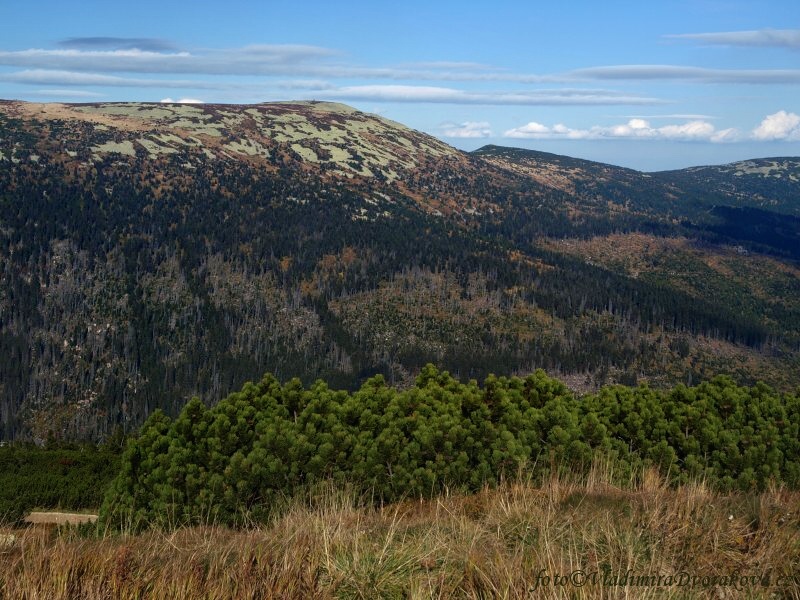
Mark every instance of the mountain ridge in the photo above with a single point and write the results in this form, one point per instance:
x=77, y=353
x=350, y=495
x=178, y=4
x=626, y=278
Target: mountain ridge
x=494, y=148
x=720, y=182
x=150, y=253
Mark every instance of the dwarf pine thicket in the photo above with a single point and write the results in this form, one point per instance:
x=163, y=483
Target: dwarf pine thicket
x=231, y=463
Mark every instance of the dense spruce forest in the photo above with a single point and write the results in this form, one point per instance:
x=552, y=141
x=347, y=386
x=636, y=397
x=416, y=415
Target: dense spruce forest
x=149, y=254
x=235, y=462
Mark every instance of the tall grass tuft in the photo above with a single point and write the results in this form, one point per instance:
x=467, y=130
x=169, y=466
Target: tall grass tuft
x=502, y=542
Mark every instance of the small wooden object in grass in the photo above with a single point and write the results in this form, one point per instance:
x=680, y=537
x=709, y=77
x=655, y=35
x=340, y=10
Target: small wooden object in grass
x=59, y=518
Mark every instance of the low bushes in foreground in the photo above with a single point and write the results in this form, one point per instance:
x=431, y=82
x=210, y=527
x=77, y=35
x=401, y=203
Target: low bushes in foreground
x=232, y=463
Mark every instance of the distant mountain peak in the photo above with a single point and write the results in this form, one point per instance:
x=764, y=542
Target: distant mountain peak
x=338, y=138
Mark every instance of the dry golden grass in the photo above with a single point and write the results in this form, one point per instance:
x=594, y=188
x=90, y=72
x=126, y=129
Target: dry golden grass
x=499, y=543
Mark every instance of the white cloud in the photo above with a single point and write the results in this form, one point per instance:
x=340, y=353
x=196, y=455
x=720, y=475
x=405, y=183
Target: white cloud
x=153, y=56
x=321, y=89
x=636, y=128
x=181, y=101
x=469, y=129
x=693, y=130
x=55, y=77
x=69, y=93
x=145, y=55
x=430, y=94
x=249, y=60
x=399, y=93
x=726, y=135
x=118, y=43
x=304, y=84
x=786, y=38
x=672, y=116
x=781, y=125
x=531, y=130
x=683, y=73
x=455, y=65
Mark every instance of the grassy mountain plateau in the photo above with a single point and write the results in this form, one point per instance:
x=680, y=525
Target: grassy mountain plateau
x=153, y=252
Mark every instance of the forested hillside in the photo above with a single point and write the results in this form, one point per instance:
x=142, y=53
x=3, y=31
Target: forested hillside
x=150, y=253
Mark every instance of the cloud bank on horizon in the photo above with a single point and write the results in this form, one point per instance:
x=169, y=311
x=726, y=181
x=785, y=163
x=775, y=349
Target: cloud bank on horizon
x=778, y=126
x=722, y=89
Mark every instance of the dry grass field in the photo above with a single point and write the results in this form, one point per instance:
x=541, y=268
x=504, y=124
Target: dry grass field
x=565, y=539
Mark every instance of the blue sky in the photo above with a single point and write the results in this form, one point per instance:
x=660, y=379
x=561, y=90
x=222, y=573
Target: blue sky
x=649, y=85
